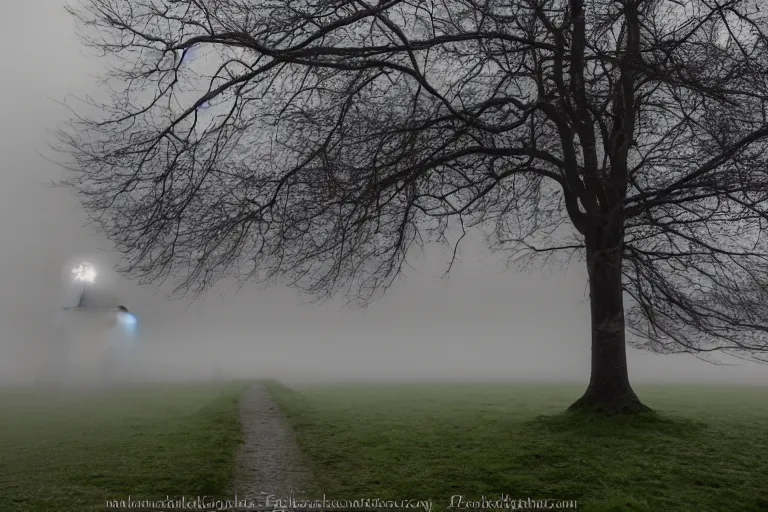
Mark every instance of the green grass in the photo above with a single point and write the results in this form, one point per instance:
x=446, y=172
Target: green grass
x=72, y=452
x=706, y=449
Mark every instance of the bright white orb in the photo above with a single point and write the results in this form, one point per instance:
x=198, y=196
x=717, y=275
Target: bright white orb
x=84, y=273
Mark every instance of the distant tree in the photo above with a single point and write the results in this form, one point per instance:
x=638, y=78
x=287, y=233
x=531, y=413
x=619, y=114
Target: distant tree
x=332, y=135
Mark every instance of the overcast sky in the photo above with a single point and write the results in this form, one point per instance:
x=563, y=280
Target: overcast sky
x=482, y=322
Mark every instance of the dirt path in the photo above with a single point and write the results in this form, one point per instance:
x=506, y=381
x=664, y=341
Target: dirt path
x=269, y=461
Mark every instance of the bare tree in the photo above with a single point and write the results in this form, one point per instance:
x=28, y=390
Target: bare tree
x=332, y=135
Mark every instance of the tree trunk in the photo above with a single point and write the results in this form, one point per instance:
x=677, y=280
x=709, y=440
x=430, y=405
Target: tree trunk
x=609, y=389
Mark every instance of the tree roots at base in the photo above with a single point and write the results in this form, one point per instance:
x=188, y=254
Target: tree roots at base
x=609, y=403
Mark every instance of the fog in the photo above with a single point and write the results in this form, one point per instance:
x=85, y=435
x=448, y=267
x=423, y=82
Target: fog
x=483, y=322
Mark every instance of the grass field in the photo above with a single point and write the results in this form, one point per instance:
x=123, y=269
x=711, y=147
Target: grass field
x=707, y=450
x=71, y=452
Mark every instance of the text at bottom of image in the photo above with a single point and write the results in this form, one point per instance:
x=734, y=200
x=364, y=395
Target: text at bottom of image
x=271, y=503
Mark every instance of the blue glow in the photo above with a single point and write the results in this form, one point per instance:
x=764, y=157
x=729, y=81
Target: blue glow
x=189, y=54
x=124, y=336
x=128, y=321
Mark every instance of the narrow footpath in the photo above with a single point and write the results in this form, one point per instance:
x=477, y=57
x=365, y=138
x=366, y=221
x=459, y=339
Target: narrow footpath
x=269, y=461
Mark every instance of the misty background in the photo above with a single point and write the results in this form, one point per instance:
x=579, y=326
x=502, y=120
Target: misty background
x=481, y=322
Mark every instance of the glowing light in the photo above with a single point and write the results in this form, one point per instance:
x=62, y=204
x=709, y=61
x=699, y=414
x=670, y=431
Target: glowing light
x=128, y=321
x=84, y=273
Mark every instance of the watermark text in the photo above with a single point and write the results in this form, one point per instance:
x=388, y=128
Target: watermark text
x=506, y=502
